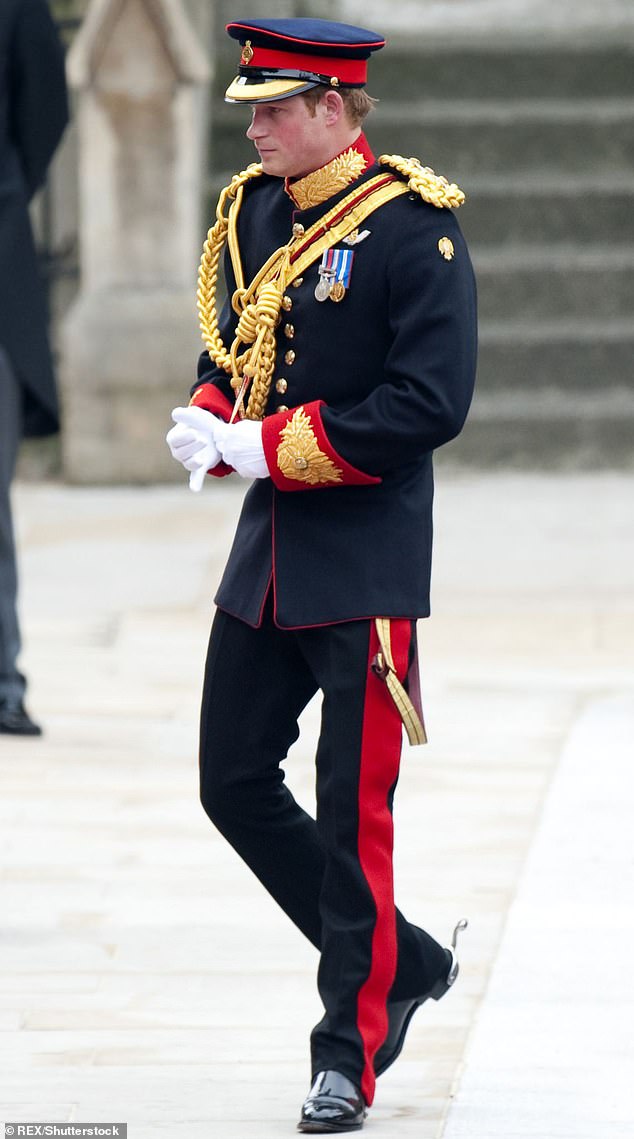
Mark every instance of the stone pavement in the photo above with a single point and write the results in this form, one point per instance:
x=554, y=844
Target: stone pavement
x=144, y=977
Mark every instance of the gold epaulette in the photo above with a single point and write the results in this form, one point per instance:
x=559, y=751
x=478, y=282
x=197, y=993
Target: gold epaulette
x=432, y=187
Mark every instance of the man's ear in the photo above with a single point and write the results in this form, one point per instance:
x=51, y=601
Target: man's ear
x=333, y=107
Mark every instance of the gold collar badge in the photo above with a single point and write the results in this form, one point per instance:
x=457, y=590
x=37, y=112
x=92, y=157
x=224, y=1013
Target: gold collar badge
x=322, y=184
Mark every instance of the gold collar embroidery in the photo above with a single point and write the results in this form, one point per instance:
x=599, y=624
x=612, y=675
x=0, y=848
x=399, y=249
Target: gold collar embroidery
x=322, y=184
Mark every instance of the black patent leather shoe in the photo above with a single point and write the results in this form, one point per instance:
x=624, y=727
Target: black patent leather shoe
x=400, y=1013
x=333, y=1103
x=15, y=720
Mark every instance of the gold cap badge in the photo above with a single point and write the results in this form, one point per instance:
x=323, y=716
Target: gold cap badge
x=445, y=246
x=247, y=53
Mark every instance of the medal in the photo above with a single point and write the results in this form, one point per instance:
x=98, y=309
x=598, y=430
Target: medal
x=322, y=289
x=334, y=274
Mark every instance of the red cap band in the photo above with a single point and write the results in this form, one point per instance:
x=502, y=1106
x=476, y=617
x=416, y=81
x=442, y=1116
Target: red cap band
x=347, y=70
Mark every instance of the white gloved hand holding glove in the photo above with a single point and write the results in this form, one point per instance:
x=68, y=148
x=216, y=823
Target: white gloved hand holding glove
x=240, y=445
x=192, y=442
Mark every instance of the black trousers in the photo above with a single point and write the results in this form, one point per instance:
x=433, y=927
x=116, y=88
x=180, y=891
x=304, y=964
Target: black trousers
x=332, y=875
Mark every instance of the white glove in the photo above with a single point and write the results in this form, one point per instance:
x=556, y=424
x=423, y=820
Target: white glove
x=192, y=442
x=240, y=445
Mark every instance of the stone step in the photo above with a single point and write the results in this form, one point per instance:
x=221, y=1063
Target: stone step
x=574, y=357
x=511, y=209
x=563, y=435
x=496, y=138
x=540, y=283
x=494, y=70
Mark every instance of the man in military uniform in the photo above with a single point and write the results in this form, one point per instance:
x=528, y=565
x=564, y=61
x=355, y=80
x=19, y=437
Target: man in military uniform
x=344, y=355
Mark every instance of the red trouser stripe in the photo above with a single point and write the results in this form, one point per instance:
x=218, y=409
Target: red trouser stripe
x=380, y=756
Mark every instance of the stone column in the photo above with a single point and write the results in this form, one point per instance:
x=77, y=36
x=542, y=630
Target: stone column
x=130, y=342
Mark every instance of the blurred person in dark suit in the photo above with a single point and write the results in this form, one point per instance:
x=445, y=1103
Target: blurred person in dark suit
x=33, y=115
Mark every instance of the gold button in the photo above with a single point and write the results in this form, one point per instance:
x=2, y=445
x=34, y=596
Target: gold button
x=289, y=357
x=298, y=229
x=297, y=282
x=301, y=463
x=289, y=331
x=281, y=386
x=282, y=407
x=287, y=304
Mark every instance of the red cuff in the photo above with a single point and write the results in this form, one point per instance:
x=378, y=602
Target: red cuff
x=210, y=398
x=299, y=454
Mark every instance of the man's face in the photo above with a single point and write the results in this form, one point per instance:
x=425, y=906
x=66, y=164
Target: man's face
x=291, y=141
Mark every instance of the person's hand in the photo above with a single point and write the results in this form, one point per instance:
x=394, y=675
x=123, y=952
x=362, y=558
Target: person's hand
x=240, y=445
x=192, y=442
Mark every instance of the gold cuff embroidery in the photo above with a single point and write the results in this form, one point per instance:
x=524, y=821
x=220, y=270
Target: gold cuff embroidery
x=299, y=456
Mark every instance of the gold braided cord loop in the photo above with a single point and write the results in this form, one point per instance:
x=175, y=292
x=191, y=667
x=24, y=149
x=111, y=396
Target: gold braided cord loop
x=256, y=327
x=212, y=250
x=257, y=306
x=433, y=188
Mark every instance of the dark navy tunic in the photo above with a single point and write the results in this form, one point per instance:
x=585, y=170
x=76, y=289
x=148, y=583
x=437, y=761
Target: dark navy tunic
x=394, y=364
